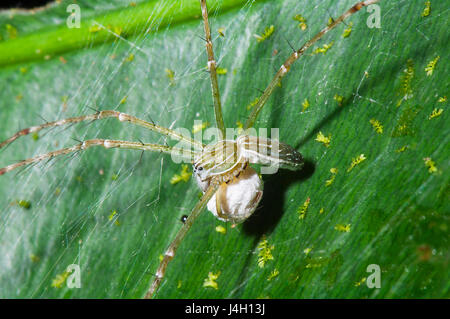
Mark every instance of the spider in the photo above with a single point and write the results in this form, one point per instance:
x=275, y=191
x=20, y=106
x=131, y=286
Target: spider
x=231, y=188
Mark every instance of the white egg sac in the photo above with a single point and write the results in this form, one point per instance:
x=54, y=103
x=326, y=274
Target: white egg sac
x=236, y=200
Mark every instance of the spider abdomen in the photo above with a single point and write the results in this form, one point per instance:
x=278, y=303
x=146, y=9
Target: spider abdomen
x=236, y=200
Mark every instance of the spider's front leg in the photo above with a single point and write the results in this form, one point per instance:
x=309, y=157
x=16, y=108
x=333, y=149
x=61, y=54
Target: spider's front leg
x=212, y=70
x=171, y=250
x=96, y=143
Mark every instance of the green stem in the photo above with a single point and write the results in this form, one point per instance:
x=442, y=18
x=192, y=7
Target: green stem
x=60, y=39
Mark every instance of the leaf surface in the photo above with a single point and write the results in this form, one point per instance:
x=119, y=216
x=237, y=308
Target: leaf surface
x=113, y=212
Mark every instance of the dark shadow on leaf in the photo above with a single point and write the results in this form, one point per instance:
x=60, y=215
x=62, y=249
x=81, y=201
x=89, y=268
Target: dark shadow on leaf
x=271, y=208
x=324, y=121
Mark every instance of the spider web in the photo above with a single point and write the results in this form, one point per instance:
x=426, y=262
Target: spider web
x=73, y=199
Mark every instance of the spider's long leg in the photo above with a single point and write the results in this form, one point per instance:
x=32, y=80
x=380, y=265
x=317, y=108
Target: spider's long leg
x=212, y=70
x=98, y=142
x=170, y=252
x=102, y=115
x=294, y=56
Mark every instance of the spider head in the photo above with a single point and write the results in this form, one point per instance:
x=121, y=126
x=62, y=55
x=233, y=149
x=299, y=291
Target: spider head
x=217, y=159
x=201, y=176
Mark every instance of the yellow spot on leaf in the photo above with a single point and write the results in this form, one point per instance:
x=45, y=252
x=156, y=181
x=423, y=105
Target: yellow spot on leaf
x=323, y=139
x=60, y=279
x=342, y=228
x=431, y=65
x=160, y=257
x=239, y=126
x=280, y=84
x=302, y=21
x=377, y=126
x=359, y=283
x=34, y=258
x=356, y=161
x=321, y=211
x=268, y=31
x=430, y=164
x=435, y=113
x=402, y=149
x=198, y=127
x=252, y=104
x=307, y=250
x=305, y=105
x=330, y=21
x=348, y=30
x=408, y=74
x=183, y=176
x=221, y=229
x=221, y=32
x=171, y=75
x=24, y=203
x=302, y=210
x=113, y=216
x=330, y=181
x=129, y=58
x=273, y=274
x=221, y=71
x=123, y=100
x=94, y=28
x=442, y=99
x=265, y=252
x=323, y=49
x=117, y=30
x=339, y=99
x=427, y=10
x=211, y=280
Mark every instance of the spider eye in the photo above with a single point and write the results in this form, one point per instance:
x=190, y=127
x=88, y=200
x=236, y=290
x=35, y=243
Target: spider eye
x=184, y=218
x=200, y=168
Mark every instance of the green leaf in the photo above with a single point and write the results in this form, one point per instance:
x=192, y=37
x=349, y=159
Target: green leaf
x=113, y=212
